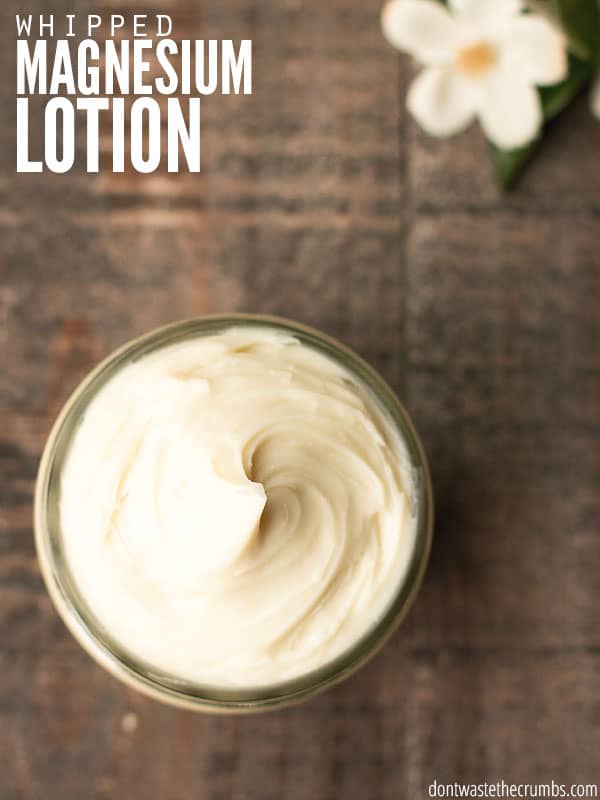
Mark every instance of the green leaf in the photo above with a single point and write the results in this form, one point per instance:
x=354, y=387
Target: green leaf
x=556, y=98
x=510, y=163
x=580, y=19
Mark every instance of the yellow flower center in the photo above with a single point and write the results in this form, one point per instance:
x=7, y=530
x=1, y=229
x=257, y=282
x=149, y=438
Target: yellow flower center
x=476, y=59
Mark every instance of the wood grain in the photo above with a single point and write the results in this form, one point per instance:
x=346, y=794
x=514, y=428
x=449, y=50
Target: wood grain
x=319, y=199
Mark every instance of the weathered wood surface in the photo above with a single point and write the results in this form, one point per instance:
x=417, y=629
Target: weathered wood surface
x=319, y=199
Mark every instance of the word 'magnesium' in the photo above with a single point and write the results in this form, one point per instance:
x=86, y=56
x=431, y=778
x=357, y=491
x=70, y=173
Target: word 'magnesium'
x=85, y=78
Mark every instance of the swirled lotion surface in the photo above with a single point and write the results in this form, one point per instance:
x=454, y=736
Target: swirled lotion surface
x=236, y=509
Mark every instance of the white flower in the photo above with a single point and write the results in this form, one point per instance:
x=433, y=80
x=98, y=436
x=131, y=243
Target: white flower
x=595, y=98
x=483, y=60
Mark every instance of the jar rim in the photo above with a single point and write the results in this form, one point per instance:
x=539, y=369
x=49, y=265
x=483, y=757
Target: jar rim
x=120, y=662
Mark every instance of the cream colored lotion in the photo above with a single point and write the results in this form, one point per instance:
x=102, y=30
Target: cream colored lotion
x=236, y=509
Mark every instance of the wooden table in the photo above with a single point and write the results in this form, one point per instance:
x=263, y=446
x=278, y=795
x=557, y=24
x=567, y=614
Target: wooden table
x=320, y=199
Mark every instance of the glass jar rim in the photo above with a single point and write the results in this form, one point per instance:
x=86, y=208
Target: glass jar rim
x=120, y=662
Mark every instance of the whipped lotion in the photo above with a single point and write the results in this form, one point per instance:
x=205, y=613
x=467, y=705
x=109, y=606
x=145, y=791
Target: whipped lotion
x=236, y=509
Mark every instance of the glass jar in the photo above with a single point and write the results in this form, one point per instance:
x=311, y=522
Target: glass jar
x=98, y=641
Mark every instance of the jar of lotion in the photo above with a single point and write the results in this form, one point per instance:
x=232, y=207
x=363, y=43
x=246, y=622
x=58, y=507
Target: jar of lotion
x=232, y=513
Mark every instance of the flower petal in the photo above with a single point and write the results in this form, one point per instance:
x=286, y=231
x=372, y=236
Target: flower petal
x=595, y=98
x=537, y=50
x=421, y=27
x=510, y=110
x=440, y=101
x=486, y=15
